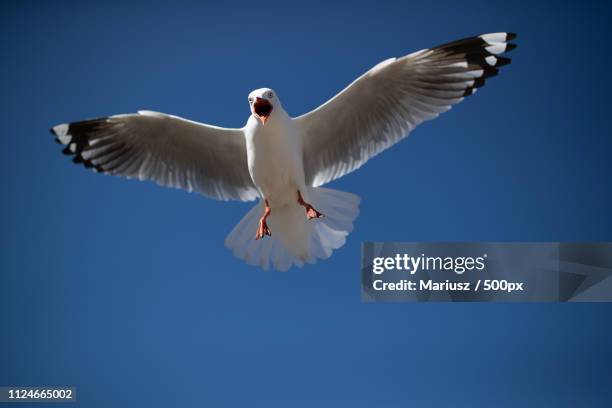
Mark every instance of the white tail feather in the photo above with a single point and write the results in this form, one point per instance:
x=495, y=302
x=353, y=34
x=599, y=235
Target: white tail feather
x=296, y=240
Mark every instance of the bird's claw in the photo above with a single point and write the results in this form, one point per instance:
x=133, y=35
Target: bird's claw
x=311, y=213
x=263, y=230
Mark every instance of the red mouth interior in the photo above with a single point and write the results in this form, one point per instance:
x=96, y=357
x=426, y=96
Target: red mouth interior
x=262, y=108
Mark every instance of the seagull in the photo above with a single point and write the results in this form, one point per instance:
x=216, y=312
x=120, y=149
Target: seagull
x=282, y=161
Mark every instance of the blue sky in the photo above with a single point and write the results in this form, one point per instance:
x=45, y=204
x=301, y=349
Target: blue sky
x=125, y=290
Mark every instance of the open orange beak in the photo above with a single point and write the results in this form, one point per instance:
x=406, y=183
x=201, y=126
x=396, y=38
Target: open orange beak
x=262, y=109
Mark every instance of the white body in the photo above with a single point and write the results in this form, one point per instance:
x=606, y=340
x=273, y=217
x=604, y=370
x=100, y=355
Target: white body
x=274, y=155
x=274, y=158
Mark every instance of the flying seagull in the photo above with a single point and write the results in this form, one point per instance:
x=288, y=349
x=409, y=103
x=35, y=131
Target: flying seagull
x=284, y=161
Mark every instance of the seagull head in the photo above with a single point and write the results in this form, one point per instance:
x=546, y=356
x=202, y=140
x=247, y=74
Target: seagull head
x=262, y=102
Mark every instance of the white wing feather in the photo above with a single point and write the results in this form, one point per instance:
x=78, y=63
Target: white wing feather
x=386, y=103
x=169, y=150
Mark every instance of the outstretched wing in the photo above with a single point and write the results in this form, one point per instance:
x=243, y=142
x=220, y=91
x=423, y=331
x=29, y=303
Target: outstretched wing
x=383, y=106
x=169, y=150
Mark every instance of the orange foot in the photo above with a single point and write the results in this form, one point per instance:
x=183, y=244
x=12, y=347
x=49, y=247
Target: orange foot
x=312, y=213
x=263, y=229
x=310, y=210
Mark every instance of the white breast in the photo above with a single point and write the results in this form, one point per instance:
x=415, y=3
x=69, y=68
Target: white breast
x=275, y=158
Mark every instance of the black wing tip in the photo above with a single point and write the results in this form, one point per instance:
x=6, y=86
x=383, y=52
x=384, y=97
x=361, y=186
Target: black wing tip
x=477, y=44
x=510, y=47
x=72, y=144
x=502, y=61
x=488, y=73
x=478, y=82
x=480, y=52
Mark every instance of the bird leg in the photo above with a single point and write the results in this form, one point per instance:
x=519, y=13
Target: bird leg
x=310, y=211
x=263, y=229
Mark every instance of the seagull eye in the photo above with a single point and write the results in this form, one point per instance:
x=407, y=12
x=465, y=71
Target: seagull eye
x=250, y=100
x=270, y=95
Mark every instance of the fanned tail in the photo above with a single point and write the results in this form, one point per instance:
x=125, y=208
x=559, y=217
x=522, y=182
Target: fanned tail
x=296, y=240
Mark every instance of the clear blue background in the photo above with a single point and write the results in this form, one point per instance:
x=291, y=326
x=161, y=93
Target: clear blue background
x=125, y=290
